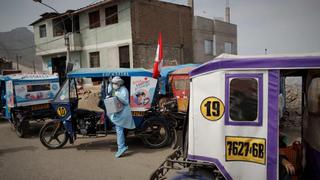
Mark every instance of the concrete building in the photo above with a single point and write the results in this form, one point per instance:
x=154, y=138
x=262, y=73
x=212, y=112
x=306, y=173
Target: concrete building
x=212, y=37
x=124, y=33
x=114, y=33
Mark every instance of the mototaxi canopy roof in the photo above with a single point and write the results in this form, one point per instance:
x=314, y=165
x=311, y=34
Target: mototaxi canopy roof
x=183, y=71
x=166, y=71
x=28, y=77
x=310, y=61
x=104, y=72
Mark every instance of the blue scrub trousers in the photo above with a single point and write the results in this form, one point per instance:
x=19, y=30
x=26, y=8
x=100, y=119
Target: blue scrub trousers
x=120, y=137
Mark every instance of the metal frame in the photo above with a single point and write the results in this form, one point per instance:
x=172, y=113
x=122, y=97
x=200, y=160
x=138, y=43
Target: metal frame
x=176, y=161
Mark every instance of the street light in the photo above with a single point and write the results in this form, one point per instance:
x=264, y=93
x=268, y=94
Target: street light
x=65, y=34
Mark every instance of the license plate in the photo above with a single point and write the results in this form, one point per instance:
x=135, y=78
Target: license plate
x=40, y=106
x=246, y=149
x=137, y=113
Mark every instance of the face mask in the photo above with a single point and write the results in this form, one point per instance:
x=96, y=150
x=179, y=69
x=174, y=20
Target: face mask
x=115, y=86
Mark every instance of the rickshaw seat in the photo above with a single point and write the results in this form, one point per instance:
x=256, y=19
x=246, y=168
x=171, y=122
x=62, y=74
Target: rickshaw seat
x=294, y=155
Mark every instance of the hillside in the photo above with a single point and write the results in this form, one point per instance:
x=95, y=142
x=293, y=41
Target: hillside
x=20, y=42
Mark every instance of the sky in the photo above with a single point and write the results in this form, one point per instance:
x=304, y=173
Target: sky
x=281, y=26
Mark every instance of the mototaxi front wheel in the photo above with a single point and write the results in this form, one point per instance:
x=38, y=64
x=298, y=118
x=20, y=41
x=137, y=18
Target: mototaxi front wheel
x=53, y=135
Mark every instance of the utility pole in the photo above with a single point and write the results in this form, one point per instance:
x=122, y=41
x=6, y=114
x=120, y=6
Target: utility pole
x=17, y=58
x=66, y=35
x=67, y=43
x=34, y=65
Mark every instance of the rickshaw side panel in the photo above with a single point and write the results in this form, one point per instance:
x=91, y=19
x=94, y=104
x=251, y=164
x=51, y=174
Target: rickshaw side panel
x=29, y=96
x=217, y=140
x=9, y=98
x=142, y=92
x=30, y=92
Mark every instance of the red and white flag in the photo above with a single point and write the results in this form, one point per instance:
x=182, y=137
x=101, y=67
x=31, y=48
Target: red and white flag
x=158, y=62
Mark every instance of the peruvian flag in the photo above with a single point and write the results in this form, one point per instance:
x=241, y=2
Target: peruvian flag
x=158, y=60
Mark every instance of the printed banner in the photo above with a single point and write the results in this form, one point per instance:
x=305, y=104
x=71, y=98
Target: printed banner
x=9, y=94
x=142, y=93
x=31, y=93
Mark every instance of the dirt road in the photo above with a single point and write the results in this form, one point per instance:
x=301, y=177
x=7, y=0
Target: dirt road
x=88, y=159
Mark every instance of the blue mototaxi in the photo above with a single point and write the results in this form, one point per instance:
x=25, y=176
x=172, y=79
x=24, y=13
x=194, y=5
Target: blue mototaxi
x=26, y=97
x=72, y=120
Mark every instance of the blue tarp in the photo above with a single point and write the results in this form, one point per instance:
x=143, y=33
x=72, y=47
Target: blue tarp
x=101, y=72
x=165, y=72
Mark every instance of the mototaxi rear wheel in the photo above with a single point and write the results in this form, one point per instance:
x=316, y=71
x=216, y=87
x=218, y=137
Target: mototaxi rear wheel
x=19, y=124
x=156, y=133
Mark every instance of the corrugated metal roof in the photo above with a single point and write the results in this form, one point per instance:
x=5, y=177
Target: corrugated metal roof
x=49, y=15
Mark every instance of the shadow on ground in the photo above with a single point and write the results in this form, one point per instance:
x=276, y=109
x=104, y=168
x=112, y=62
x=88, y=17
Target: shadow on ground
x=134, y=143
x=17, y=149
x=3, y=121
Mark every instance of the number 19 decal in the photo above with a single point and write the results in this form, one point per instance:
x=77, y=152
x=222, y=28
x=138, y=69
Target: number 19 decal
x=212, y=108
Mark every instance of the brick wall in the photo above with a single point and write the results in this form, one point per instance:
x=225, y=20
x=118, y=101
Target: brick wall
x=174, y=21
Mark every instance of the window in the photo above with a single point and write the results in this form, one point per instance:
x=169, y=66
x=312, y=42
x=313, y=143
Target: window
x=42, y=31
x=228, y=47
x=76, y=24
x=94, y=59
x=181, y=84
x=94, y=19
x=38, y=87
x=208, y=47
x=244, y=99
x=73, y=89
x=314, y=96
x=124, y=57
x=60, y=25
x=112, y=15
x=63, y=94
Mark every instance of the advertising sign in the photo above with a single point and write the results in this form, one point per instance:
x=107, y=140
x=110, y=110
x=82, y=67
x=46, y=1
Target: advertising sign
x=142, y=93
x=9, y=94
x=30, y=93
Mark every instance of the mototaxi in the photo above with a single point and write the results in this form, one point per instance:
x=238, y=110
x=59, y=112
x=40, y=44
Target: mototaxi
x=234, y=117
x=26, y=98
x=73, y=121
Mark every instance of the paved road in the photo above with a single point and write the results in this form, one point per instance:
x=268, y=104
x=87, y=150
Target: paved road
x=88, y=158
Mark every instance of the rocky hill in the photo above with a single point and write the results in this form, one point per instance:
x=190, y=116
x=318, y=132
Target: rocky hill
x=20, y=42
